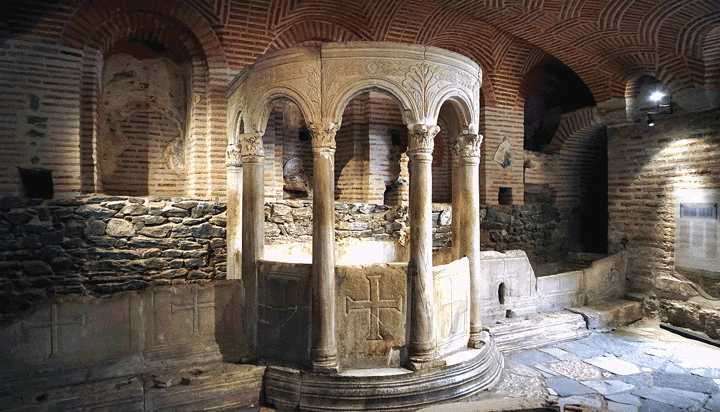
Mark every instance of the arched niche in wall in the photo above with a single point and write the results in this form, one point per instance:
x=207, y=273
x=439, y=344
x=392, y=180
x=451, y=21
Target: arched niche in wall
x=553, y=89
x=144, y=107
x=143, y=120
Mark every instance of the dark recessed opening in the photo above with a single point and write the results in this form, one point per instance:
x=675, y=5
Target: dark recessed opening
x=36, y=183
x=395, y=137
x=505, y=196
x=304, y=135
x=501, y=293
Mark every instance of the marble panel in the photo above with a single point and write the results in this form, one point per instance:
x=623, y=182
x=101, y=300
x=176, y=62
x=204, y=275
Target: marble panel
x=371, y=314
x=284, y=311
x=452, y=305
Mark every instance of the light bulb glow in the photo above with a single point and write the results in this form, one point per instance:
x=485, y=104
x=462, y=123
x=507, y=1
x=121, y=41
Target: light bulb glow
x=657, y=95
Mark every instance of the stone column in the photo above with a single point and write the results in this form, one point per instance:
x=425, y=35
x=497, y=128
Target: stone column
x=323, y=350
x=468, y=236
x=456, y=224
x=233, y=163
x=422, y=346
x=253, y=224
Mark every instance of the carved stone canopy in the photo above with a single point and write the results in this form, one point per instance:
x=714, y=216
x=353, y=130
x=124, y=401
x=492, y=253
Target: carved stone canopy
x=322, y=80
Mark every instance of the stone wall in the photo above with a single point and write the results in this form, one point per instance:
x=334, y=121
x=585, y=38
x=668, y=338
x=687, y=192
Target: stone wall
x=648, y=165
x=107, y=244
x=103, y=244
x=545, y=232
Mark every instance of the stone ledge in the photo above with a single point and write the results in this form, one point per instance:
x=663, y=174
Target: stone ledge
x=609, y=315
x=538, y=330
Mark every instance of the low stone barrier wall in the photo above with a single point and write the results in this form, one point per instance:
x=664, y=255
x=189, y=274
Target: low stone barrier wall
x=97, y=244
x=105, y=244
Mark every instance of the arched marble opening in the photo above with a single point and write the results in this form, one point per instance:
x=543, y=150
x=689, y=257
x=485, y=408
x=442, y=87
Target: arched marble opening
x=364, y=326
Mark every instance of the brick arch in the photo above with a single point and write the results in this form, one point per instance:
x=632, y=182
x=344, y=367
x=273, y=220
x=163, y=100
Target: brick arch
x=344, y=21
x=711, y=57
x=312, y=31
x=574, y=128
x=103, y=23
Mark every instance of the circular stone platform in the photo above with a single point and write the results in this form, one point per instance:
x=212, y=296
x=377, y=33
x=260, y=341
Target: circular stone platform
x=466, y=372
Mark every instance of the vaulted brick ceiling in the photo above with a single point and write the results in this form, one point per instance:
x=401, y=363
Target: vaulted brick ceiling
x=606, y=42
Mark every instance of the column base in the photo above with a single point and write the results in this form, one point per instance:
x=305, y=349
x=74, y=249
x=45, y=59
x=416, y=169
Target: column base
x=478, y=340
x=425, y=364
x=326, y=367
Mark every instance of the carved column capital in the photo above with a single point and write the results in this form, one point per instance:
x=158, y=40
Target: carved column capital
x=233, y=156
x=251, y=145
x=467, y=146
x=323, y=135
x=421, y=138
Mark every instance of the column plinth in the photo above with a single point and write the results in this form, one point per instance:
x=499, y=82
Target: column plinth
x=422, y=346
x=323, y=349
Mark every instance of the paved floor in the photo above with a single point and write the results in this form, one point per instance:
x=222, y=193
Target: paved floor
x=636, y=368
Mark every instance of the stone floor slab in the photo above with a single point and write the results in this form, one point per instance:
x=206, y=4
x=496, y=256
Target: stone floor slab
x=621, y=407
x=532, y=357
x=614, y=364
x=684, y=382
x=583, y=400
x=609, y=387
x=674, y=397
x=581, y=349
x=626, y=398
x=568, y=387
x=713, y=404
x=558, y=353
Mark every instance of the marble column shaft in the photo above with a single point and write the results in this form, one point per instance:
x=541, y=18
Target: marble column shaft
x=468, y=236
x=233, y=164
x=253, y=224
x=323, y=352
x=422, y=346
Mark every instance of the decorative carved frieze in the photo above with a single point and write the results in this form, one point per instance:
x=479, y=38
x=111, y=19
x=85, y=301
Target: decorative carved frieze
x=421, y=138
x=323, y=135
x=251, y=144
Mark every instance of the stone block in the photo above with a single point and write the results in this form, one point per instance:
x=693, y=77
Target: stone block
x=95, y=212
x=157, y=231
x=284, y=310
x=120, y=228
x=371, y=304
x=452, y=305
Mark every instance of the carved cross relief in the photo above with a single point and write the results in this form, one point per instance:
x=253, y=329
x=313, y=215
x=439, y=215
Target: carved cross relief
x=195, y=307
x=374, y=303
x=54, y=326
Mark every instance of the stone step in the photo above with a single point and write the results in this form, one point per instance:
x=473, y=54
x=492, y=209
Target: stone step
x=216, y=386
x=538, y=330
x=609, y=315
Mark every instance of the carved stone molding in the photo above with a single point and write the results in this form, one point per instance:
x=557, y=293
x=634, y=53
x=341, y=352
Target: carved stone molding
x=251, y=145
x=323, y=135
x=421, y=138
x=233, y=156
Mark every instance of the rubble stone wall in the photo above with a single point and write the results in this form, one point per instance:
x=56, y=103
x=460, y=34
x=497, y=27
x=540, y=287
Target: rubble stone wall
x=107, y=244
